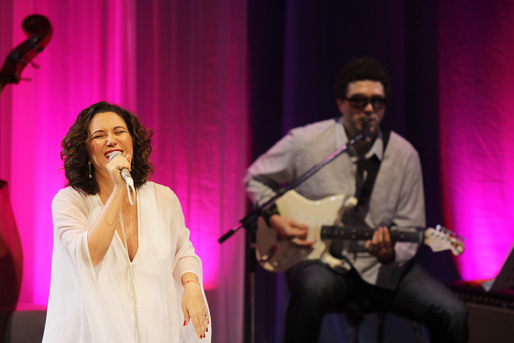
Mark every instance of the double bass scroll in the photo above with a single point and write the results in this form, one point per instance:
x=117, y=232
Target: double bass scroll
x=39, y=31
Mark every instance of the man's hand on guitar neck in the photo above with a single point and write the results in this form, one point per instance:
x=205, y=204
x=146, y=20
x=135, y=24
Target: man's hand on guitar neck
x=381, y=245
x=290, y=230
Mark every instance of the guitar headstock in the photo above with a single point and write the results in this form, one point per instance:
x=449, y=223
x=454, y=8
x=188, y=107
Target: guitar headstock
x=440, y=239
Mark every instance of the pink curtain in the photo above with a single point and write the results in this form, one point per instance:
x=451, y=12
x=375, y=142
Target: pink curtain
x=476, y=108
x=180, y=66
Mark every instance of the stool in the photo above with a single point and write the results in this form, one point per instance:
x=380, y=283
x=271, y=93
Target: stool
x=354, y=320
x=357, y=308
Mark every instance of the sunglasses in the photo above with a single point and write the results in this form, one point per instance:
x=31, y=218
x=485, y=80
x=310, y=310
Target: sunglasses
x=360, y=102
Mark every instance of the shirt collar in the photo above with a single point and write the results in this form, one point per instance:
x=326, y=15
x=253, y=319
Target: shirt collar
x=376, y=149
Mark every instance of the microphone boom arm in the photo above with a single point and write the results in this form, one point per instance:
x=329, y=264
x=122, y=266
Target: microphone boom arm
x=248, y=222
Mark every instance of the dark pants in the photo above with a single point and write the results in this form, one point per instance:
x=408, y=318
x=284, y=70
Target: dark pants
x=316, y=289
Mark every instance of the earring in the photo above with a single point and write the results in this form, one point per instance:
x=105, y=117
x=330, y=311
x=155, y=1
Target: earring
x=90, y=176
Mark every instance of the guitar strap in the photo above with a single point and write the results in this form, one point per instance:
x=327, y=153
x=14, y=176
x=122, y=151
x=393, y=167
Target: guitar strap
x=372, y=165
x=356, y=217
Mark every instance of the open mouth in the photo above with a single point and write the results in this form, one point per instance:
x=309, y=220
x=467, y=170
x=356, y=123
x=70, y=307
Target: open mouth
x=108, y=153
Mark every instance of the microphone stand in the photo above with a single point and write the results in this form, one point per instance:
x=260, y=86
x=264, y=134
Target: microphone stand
x=249, y=222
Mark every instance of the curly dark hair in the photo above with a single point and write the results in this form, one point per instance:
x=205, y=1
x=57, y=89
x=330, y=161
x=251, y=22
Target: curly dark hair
x=75, y=156
x=360, y=69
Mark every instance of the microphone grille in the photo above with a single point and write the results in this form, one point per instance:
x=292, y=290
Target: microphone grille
x=113, y=155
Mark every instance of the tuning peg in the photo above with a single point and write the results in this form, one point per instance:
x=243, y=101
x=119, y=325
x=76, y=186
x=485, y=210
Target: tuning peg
x=34, y=65
x=458, y=237
x=25, y=79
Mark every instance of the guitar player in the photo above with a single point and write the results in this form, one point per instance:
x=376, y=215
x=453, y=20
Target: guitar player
x=384, y=173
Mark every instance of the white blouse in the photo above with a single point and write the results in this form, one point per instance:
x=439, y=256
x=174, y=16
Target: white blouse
x=96, y=304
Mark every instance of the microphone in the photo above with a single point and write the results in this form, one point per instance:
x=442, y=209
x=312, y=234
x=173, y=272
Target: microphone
x=125, y=173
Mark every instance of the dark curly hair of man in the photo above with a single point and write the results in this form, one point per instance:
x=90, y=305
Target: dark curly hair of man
x=360, y=69
x=75, y=156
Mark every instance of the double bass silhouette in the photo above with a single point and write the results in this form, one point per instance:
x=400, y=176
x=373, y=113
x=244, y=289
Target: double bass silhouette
x=39, y=31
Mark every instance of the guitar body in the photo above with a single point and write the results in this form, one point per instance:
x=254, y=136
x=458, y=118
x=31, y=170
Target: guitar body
x=323, y=217
x=277, y=255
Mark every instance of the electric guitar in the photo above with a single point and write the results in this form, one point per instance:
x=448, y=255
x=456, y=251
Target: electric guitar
x=276, y=254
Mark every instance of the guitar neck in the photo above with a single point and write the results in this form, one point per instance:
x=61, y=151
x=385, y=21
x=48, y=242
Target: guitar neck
x=355, y=233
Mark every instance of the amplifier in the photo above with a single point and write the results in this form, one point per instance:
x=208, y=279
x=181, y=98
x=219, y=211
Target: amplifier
x=491, y=314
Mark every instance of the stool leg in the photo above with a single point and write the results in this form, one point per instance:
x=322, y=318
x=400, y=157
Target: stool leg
x=354, y=321
x=417, y=332
x=381, y=326
x=356, y=335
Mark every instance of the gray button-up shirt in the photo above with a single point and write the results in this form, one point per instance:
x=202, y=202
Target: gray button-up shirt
x=397, y=196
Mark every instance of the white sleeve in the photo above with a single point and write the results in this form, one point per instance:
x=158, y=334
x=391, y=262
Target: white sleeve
x=185, y=259
x=69, y=211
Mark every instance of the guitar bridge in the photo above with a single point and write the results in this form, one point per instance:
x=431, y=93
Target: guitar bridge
x=269, y=254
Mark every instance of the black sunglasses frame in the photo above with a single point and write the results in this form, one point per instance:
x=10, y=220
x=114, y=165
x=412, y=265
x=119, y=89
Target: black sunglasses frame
x=360, y=102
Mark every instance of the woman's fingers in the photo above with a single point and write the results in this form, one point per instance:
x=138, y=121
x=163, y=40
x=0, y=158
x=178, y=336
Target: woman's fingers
x=186, y=315
x=200, y=323
x=195, y=309
x=116, y=165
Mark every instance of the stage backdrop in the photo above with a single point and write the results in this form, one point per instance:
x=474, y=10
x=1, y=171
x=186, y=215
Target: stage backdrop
x=181, y=67
x=476, y=110
x=451, y=64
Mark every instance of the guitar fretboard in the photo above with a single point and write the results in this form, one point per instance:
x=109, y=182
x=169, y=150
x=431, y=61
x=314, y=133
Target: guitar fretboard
x=364, y=234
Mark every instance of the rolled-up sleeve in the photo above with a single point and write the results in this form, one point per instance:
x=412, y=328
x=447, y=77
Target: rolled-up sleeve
x=270, y=170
